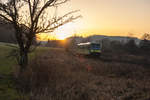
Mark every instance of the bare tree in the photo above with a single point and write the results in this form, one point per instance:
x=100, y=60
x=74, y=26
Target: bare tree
x=145, y=43
x=145, y=36
x=31, y=17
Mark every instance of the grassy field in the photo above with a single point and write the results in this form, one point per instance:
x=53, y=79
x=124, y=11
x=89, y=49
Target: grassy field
x=7, y=65
x=65, y=76
x=55, y=74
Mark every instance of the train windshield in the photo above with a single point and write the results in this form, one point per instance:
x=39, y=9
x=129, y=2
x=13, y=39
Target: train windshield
x=95, y=46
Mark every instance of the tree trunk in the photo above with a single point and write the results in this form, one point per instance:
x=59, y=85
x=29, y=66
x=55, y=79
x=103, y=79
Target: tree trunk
x=23, y=61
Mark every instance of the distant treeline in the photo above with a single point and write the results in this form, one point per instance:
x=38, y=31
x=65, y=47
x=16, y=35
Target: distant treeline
x=6, y=33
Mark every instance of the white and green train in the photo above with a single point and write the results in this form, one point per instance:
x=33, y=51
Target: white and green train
x=90, y=48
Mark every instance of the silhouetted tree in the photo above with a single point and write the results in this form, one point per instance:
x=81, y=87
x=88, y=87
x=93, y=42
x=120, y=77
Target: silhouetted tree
x=31, y=17
x=70, y=44
x=145, y=43
x=146, y=36
x=131, y=46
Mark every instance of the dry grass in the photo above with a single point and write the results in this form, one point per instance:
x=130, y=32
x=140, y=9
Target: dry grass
x=57, y=75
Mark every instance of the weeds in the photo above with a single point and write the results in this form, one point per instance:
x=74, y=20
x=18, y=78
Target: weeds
x=57, y=75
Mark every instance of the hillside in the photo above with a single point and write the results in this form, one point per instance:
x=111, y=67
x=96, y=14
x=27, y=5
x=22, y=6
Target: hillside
x=114, y=38
x=97, y=38
x=6, y=32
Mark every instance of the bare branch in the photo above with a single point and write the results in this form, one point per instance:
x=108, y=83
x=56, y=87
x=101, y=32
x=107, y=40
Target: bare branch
x=59, y=3
x=5, y=18
x=49, y=29
x=30, y=10
x=29, y=22
x=42, y=9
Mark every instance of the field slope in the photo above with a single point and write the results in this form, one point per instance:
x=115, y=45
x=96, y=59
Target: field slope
x=68, y=76
x=7, y=65
x=80, y=77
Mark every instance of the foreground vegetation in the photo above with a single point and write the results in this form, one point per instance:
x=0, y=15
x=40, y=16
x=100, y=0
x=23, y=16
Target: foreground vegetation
x=7, y=68
x=54, y=74
x=59, y=75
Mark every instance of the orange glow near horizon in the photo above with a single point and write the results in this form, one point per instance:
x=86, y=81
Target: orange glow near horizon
x=113, y=17
x=106, y=17
x=62, y=37
x=60, y=33
x=46, y=37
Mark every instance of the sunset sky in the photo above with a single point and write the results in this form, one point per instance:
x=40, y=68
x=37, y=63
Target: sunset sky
x=107, y=17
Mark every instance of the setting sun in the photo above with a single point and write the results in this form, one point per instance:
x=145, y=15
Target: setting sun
x=61, y=36
x=61, y=33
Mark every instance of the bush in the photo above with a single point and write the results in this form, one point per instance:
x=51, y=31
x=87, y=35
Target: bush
x=145, y=46
x=131, y=47
x=53, y=79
